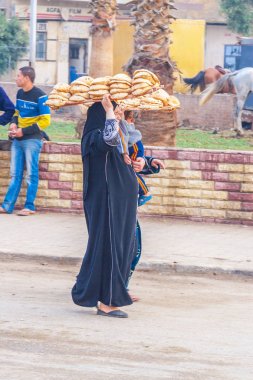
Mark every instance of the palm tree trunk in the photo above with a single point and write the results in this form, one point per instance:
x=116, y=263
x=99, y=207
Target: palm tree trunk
x=103, y=24
x=151, y=51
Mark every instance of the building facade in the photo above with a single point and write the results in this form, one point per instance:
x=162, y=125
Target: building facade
x=64, y=45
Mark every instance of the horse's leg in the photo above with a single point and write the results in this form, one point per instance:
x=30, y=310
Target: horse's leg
x=238, y=115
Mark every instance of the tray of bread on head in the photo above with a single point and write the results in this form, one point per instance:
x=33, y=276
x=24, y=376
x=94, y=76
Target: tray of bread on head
x=142, y=92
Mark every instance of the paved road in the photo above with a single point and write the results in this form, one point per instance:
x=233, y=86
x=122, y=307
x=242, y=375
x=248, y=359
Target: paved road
x=184, y=328
x=173, y=244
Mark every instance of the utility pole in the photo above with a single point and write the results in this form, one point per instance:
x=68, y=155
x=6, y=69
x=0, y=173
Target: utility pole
x=33, y=25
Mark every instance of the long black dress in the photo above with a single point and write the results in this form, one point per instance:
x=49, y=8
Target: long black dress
x=110, y=206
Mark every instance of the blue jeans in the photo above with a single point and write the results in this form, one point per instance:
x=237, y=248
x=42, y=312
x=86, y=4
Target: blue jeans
x=23, y=152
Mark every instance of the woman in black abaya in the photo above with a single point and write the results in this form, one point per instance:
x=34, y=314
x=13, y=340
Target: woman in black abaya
x=110, y=206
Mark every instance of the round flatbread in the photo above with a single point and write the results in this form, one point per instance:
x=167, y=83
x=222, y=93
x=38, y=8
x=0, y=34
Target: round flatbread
x=149, y=107
x=161, y=95
x=62, y=87
x=100, y=86
x=102, y=80
x=120, y=81
x=138, y=86
x=141, y=91
x=121, y=77
x=98, y=93
x=173, y=102
x=129, y=103
x=120, y=85
x=119, y=96
x=120, y=90
x=149, y=100
x=79, y=97
x=55, y=102
x=59, y=95
x=78, y=88
x=83, y=80
x=141, y=81
x=146, y=73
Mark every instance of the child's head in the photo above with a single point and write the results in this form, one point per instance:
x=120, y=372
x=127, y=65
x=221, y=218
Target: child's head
x=129, y=116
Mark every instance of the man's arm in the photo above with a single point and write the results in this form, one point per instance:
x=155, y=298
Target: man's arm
x=44, y=110
x=7, y=106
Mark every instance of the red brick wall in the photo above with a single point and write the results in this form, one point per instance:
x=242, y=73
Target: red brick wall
x=217, y=113
x=201, y=185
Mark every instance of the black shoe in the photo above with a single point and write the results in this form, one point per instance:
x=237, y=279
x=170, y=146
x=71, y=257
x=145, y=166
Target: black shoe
x=114, y=313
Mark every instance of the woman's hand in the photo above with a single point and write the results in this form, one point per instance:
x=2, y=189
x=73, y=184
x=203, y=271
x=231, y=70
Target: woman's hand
x=155, y=162
x=138, y=164
x=127, y=159
x=119, y=112
x=107, y=104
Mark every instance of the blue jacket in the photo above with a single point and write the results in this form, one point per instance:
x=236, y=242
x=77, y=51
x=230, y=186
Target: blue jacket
x=7, y=106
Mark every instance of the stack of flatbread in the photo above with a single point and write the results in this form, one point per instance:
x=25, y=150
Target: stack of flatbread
x=130, y=103
x=79, y=89
x=174, y=103
x=99, y=88
x=143, y=82
x=147, y=102
x=169, y=102
x=143, y=92
x=59, y=96
x=120, y=87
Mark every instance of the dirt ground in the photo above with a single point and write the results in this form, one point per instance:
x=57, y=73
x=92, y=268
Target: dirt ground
x=184, y=328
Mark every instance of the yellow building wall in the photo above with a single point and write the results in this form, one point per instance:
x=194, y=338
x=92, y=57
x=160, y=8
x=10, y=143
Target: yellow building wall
x=187, y=49
x=123, y=45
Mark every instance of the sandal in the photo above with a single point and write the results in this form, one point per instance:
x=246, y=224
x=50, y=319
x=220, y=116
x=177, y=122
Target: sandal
x=25, y=212
x=114, y=313
x=2, y=211
x=144, y=199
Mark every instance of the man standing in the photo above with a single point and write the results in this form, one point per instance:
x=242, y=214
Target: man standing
x=30, y=118
x=7, y=107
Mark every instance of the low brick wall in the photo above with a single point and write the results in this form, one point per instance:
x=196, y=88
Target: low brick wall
x=217, y=113
x=200, y=185
x=60, y=186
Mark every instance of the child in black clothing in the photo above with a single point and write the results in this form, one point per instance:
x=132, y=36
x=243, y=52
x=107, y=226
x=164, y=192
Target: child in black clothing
x=135, y=150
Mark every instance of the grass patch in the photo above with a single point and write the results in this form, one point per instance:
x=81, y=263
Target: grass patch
x=207, y=140
x=61, y=131
x=64, y=131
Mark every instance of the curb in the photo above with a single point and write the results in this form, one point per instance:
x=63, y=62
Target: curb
x=147, y=267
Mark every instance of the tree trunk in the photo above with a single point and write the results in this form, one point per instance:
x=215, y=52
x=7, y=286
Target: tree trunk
x=103, y=24
x=158, y=128
x=151, y=51
x=101, y=56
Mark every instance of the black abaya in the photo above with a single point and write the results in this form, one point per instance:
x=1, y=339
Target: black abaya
x=110, y=205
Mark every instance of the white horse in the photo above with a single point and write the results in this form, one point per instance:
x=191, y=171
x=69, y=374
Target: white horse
x=240, y=82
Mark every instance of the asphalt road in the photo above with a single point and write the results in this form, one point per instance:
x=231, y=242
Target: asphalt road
x=184, y=328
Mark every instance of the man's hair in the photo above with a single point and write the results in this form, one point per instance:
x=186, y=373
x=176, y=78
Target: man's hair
x=128, y=114
x=28, y=71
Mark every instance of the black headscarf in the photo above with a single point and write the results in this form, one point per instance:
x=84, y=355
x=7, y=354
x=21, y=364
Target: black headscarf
x=96, y=117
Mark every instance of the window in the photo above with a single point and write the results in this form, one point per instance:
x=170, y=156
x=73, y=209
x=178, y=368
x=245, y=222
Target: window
x=74, y=52
x=41, y=46
x=232, y=57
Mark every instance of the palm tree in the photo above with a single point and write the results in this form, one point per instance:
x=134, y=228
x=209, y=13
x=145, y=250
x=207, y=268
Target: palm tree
x=103, y=24
x=152, y=20
x=101, y=60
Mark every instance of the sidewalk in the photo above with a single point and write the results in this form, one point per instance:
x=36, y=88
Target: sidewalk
x=168, y=244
